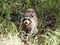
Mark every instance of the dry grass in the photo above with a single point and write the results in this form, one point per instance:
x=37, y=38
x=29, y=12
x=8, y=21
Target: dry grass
x=50, y=38
x=9, y=35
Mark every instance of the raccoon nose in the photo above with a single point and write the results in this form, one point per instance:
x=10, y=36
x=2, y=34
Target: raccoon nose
x=25, y=22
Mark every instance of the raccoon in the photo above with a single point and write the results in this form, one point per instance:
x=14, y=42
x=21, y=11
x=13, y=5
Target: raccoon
x=29, y=21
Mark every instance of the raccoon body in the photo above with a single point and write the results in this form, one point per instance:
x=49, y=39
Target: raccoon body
x=29, y=21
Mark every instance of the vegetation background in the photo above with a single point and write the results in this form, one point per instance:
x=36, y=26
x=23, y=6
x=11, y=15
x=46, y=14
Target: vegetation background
x=11, y=10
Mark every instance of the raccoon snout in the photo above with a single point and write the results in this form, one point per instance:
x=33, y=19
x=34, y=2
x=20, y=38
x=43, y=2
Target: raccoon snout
x=26, y=22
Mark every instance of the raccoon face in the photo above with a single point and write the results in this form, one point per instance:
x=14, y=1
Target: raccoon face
x=26, y=21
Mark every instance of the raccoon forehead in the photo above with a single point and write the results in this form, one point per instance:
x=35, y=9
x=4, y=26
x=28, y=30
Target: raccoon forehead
x=30, y=10
x=25, y=18
x=28, y=13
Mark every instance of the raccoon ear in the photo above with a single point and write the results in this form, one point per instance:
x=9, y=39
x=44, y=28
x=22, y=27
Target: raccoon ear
x=32, y=15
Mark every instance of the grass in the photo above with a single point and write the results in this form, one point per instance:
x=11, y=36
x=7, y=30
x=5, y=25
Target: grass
x=10, y=36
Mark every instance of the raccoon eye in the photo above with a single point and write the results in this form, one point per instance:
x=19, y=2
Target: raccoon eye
x=24, y=19
x=28, y=19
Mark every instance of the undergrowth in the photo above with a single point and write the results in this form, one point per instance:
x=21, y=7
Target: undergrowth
x=10, y=36
x=10, y=12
